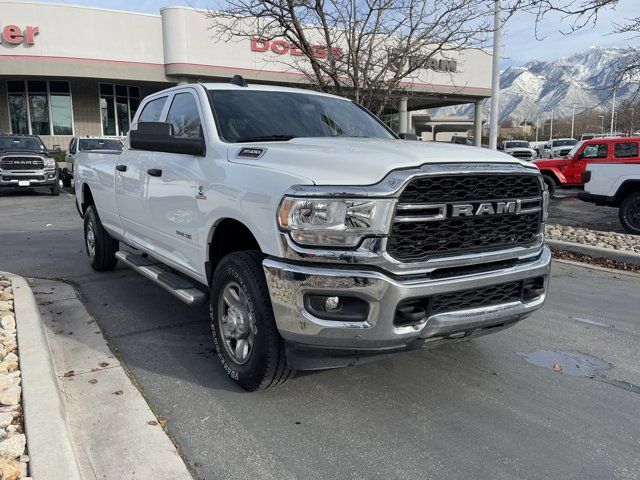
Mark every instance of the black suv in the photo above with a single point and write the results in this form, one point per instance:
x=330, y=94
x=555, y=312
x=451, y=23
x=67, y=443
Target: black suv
x=26, y=163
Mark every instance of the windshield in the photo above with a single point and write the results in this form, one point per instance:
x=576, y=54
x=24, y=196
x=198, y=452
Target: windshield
x=517, y=145
x=21, y=144
x=245, y=116
x=564, y=143
x=99, y=144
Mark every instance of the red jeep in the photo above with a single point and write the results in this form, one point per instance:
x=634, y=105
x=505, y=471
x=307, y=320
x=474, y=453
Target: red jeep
x=567, y=171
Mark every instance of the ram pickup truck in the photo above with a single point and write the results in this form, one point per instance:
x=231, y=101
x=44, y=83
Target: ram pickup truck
x=519, y=149
x=77, y=145
x=567, y=171
x=557, y=148
x=26, y=163
x=317, y=236
x=615, y=185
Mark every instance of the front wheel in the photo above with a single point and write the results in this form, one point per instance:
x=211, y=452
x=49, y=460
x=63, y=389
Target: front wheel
x=629, y=213
x=244, y=329
x=551, y=184
x=101, y=247
x=55, y=190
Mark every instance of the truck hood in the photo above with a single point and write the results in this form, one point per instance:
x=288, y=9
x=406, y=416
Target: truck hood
x=358, y=161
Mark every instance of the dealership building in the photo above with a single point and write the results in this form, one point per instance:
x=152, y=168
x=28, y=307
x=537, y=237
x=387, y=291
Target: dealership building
x=67, y=70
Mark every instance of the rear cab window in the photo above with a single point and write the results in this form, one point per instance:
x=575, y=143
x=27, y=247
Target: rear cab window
x=626, y=150
x=151, y=111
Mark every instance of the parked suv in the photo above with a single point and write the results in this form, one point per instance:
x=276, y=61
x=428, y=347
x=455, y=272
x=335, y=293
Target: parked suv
x=319, y=237
x=26, y=163
x=561, y=172
x=85, y=144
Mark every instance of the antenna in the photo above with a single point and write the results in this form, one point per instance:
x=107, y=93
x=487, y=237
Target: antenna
x=239, y=81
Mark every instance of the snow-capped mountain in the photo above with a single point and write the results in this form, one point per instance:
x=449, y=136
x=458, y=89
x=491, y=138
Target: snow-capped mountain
x=584, y=79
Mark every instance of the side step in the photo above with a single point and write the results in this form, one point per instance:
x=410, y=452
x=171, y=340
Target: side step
x=176, y=284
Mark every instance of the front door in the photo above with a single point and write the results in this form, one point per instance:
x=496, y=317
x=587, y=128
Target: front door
x=592, y=153
x=173, y=188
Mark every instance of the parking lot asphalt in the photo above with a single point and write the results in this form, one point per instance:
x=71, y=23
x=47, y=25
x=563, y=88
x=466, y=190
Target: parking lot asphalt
x=567, y=209
x=489, y=408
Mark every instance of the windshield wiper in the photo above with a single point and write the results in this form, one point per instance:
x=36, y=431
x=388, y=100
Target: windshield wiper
x=266, y=138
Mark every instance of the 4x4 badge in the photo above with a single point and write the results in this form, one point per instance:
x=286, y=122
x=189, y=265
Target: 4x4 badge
x=200, y=195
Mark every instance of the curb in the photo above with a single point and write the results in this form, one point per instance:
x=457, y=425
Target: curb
x=596, y=252
x=49, y=443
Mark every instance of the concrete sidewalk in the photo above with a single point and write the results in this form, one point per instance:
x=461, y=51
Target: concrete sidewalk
x=114, y=433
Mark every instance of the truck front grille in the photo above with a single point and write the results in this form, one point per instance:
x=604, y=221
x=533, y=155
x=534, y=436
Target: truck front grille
x=21, y=163
x=522, y=154
x=424, y=225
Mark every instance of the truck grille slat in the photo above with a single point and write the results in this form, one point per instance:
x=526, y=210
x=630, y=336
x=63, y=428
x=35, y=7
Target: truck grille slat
x=419, y=233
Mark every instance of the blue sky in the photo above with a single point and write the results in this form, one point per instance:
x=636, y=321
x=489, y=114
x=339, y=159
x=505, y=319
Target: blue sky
x=520, y=43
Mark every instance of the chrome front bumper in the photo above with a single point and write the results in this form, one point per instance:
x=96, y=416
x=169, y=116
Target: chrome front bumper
x=36, y=178
x=288, y=283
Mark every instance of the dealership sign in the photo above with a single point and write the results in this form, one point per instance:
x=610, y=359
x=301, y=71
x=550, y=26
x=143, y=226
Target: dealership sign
x=15, y=35
x=282, y=47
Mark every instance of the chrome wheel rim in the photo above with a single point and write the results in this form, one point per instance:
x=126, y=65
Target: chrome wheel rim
x=237, y=323
x=91, y=242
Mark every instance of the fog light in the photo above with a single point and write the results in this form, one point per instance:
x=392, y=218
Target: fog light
x=332, y=303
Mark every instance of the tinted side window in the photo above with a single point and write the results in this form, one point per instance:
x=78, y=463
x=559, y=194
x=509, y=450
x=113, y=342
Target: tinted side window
x=597, y=150
x=152, y=110
x=183, y=115
x=626, y=149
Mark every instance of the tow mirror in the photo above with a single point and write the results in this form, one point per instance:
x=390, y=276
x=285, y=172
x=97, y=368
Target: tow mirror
x=158, y=137
x=55, y=149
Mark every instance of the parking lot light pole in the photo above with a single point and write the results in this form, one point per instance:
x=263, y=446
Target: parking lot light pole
x=573, y=118
x=495, y=76
x=601, y=117
x=536, y=128
x=551, y=127
x=613, y=110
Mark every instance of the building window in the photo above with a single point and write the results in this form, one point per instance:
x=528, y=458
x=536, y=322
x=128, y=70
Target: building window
x=118, y=105
x=40, y=107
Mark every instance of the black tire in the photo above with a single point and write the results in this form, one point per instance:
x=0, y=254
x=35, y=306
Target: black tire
x=66, y=179
x=266, y=365
x=629, y=213
x=102, y=256
x=551, y=184
x=55, y=190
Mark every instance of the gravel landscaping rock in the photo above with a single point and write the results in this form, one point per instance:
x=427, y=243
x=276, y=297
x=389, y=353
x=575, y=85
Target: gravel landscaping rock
x=615, y=241
x=13, y=461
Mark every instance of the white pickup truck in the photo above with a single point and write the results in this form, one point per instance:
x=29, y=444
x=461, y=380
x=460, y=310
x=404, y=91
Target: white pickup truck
x=615, y=185
x=318, y=237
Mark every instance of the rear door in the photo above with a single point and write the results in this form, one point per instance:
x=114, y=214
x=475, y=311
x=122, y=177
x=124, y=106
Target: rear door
x=626, y=152
x=171, y=194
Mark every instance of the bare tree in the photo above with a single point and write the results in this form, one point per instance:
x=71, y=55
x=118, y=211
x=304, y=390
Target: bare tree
x=365, y=50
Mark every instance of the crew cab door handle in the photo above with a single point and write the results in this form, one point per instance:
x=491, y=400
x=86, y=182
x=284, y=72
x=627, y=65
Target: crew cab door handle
x=154, y=172
x=121, y=168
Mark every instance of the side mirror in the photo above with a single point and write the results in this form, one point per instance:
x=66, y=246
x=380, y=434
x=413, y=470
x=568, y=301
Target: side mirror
x=158, y=137
x=408, y=136
x=55, y=149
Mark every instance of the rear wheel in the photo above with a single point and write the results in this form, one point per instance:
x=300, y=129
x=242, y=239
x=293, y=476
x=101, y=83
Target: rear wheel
x=551, y=184
x=66, y=179
x=101, y=247
x=629, y=213
x=244, y=329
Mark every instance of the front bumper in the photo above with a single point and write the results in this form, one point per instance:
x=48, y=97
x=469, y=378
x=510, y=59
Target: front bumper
x=378, y=334
x=35, y=178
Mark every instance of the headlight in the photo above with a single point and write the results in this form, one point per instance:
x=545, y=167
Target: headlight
x=333, y=222
x=49, y=162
